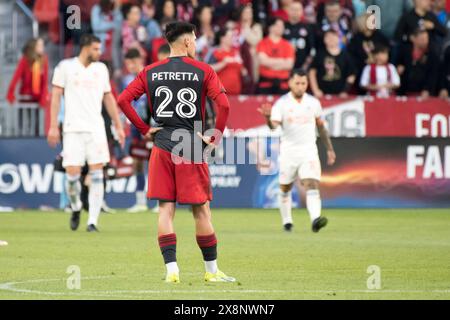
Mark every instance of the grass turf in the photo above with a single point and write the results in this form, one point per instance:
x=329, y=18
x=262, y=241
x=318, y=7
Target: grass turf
x=411, y=247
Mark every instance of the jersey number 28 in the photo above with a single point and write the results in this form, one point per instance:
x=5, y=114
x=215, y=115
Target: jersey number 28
x=184, y=101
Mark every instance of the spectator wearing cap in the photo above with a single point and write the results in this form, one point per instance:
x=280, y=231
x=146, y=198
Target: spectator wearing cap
x=300, y=35
x=227, y=63
x=418, y=66
x=420, y=17
x=283, y=9
x=332, y=72
x=380, y=78
x=276, y=59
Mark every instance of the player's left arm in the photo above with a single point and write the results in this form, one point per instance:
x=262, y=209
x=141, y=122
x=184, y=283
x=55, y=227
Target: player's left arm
x=112, y=109
x=325, y=137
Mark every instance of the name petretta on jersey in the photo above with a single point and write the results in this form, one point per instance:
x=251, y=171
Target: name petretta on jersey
x=179, y=76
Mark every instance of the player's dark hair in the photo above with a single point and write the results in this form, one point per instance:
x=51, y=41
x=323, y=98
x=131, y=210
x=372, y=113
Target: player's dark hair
x=87, y=39
x=176, y=29
x=164, y=49
x=133, y=53
x=298, y=72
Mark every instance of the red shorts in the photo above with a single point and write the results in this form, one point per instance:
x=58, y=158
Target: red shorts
x=185, y=183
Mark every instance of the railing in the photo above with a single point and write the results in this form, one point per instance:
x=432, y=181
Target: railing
x=29, y=14
x=21, y=120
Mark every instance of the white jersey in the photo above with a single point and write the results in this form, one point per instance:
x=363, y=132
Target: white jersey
x=84, y=88
x=298, y=122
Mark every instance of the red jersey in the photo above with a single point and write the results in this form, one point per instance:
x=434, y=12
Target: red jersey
x=230, y=76
x=176, y=89
x=281, y=49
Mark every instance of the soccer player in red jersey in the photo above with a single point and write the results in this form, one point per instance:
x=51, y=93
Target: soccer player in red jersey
x=177, y=88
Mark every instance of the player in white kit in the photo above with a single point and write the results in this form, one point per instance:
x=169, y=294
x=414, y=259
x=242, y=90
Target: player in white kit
x=84, y=83
x=299, y=114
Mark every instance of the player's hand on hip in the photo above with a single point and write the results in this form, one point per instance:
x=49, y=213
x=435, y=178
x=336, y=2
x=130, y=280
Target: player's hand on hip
x=331, y=157
x=150, y=135
x=265, y=110
x=53, y=137
x=206, y=139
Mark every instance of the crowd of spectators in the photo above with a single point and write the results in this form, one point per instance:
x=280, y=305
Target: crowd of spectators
x=345, y=48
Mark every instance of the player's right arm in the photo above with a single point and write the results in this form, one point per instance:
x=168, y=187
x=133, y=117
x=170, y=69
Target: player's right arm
x=133, y=92
x=53, y=136
x=59, y=83
x=272, y=115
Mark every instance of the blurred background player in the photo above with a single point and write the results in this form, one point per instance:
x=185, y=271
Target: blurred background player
x=134, y=63
x=85, y=84
x=299, y=114
x=177, y=88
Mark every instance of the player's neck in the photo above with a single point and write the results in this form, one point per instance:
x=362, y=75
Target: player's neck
x=84, y=60
x=297, y=98
x=177, y=53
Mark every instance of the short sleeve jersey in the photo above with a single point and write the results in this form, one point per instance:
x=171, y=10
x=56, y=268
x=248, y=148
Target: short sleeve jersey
x=84, y=88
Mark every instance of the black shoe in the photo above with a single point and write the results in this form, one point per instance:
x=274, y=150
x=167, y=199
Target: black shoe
x=288, y=227
x=319, y=223
x=75, y=220
x=92, y=228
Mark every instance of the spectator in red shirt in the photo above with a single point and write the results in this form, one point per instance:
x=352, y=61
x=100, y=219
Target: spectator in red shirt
x=276, y=59
x=227, y=63
x=32, y=73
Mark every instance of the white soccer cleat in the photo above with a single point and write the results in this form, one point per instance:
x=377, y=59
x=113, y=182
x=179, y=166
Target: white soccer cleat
x=137, y=208
x=3, y=243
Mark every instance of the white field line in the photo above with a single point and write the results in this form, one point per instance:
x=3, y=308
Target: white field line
x=11, y=286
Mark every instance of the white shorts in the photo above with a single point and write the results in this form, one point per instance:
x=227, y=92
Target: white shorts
x=82, y=147
x=305, y=168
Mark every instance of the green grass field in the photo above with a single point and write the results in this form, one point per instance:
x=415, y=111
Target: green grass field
x=411, y=247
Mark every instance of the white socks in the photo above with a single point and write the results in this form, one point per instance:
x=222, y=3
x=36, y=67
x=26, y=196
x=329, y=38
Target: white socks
x=141, y=198
x=96, y=193
x=73, y=189
x=313, y=204
x=285, y=202
x=211, y=266
x=172, y=267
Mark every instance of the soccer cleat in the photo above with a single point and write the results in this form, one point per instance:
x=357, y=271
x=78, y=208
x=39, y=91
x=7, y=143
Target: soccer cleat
x=91, y=228
x=219, y=276
x=172, y=278
x=319, y=223
x=137, y=208
x=288, y=227
x=75, y=220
